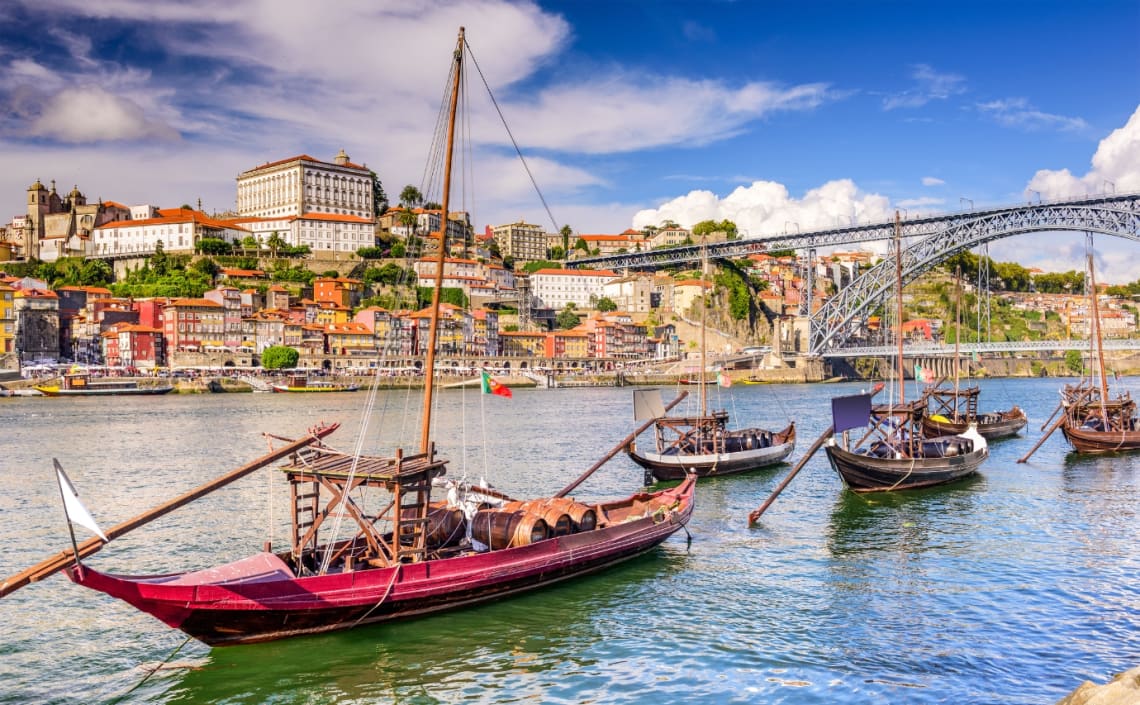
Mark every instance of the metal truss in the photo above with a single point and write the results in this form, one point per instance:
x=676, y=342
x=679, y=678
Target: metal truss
x=1025, y=346
x=833, y=237
x=844, y=316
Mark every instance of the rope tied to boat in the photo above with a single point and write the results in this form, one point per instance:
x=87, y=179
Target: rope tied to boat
x=387, y=592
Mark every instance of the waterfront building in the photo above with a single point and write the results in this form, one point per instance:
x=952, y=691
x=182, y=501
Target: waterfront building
x=277, y=297
x=349, y=338
x=37, y=324
x=555, y=288
x=229, y=297
x=192, y=325
x=522, y=242
x=7, y=326
x=133, y=345
x=523, y=343
x=269, y=328
x=85, y=339
x=567, y=344
x=482, y=336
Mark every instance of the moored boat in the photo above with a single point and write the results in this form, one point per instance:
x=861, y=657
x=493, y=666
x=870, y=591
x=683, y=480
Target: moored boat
x=303, y=384
x=80, y=384
x=951, y=411
x=404, y=554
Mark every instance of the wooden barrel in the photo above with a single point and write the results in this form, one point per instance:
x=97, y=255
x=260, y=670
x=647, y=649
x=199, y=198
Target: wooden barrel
x=500, y=528
x=444, y=527
x=582, y=517
x=556, y=519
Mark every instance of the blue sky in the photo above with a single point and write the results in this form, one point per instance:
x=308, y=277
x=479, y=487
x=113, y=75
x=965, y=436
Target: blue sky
x=777, y=115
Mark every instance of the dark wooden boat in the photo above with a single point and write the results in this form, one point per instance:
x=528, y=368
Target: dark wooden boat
x=1093, y=421
x=405, y=554
x=951, y=411
x=703, y=443
x=884, y=447
x=304, y=385
x=893, y=453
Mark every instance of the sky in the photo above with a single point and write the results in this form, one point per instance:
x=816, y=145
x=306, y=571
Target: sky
x=779, y=116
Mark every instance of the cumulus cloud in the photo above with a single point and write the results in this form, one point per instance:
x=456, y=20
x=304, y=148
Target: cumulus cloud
x=932, y=181
x=92, y=114
x=765, y=208
x=1017, y=112
x=929, y=85
x=1115, y=166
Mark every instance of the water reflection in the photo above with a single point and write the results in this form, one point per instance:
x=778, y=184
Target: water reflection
x=902, y=522
x=540, y=637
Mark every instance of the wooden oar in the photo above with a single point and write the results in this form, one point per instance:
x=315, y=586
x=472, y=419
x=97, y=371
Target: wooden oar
x=617, y=449
x=1041, y=440
x=1059, y=407
x=755, y=515
x=65, y=558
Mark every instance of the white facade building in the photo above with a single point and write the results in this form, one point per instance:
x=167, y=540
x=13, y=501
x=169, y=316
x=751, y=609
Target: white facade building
x=554, y=288
x=178, y=229
x=301, y=185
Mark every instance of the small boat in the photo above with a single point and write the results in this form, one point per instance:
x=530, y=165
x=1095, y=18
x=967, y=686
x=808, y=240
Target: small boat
x=80, y=384
x=704, y=444
x=1092, y=420
x=950, y=411
x=401, y=553
x=303, y=384
x=891, y=450
x=893, y=453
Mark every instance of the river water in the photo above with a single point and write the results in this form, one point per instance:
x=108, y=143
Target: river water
x=1009, y=587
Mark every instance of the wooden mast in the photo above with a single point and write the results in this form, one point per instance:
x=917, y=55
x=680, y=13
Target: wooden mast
x=704, y=305
x=898, y=313
x=433, y=334
x=1095, y=330
x=957, y=335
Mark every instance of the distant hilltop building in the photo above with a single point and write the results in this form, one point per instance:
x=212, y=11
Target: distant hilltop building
x=521, y=241
x=302, y=185
x=328, y=206
x=59, y=226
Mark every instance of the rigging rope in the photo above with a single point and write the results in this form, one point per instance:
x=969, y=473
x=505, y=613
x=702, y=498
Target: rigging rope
x=515, y=143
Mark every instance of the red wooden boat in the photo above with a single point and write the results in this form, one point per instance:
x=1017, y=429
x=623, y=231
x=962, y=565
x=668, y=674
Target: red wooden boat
x=406, y=554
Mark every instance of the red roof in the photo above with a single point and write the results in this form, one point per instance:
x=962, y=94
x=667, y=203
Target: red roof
x=582, y=272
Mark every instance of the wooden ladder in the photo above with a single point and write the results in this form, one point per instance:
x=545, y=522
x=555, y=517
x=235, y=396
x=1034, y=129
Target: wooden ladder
x=306, y=498
x=412, y=495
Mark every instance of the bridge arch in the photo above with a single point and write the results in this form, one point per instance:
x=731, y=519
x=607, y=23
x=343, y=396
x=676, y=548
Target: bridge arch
x=839, y=318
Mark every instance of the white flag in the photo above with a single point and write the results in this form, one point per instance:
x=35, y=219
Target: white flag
x=76, y=512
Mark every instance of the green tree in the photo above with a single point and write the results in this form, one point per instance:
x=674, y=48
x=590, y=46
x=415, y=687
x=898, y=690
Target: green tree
x=370, y=253
x=708, y=227
x=96, y=272
x=532, y=267
x=275, y=243
x=411, y=197
x=159, y=262
x=606, y=304
x=379, y=198
x=566, y=232
x=580, y=244
x=278, y=357
x=557, y=253
x=213, y=246
x=566, y=318
x=1073, y=360
x=207, y=267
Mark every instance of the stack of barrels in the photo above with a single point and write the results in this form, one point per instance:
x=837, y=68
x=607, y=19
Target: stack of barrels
x=523, y=523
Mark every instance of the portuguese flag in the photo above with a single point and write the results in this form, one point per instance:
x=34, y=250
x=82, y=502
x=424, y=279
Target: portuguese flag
x=490, y=386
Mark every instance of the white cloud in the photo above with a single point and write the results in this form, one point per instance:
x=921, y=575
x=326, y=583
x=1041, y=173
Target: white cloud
x=765, y=208
x=1017, y=112
x=932, y=181
x=1116, y=161
x=94, y=115
x=930, y=85
x=923, y=203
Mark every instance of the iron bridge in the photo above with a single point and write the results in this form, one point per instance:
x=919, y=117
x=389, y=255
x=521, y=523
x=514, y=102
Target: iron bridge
x=928, y=240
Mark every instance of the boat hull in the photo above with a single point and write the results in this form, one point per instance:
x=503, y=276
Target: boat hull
x=310, y=390
x=259, y=599
x=665, y=467
x=1086, y=440
x=862, y=473
x=1010, y=423
x=51, y=391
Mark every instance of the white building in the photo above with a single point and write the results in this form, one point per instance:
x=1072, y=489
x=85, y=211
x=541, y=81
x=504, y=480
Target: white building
x=301, y=185
x=633, y=293
x=178, y=229
x=554, y=288
x=320, y=231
